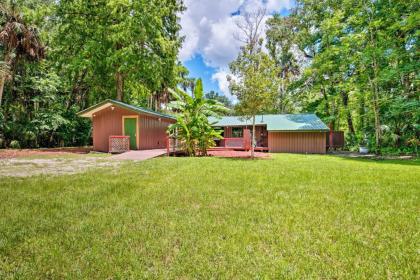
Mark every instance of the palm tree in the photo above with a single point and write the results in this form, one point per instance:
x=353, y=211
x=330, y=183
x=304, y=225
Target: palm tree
x=4, y=69
x=17, y=39
x=193, y=129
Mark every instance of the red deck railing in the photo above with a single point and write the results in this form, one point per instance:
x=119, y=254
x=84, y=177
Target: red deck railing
x=232, y=142
x=242, y=143
x=227, y=143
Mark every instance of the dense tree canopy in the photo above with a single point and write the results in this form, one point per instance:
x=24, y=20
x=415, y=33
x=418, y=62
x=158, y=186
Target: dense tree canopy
x=353, y=63
x=221, y=98
x=94, y=50
x=358, y=67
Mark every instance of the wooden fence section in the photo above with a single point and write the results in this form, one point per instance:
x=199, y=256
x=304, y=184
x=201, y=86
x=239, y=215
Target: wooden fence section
x=336, y=138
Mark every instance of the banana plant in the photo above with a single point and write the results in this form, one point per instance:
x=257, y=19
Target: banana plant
x=193, y=130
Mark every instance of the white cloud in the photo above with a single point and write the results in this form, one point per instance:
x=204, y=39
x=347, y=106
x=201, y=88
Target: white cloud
x=209, y=29
x=221, y=78
x=221, y=47
x=197, y=22
x=275, y=5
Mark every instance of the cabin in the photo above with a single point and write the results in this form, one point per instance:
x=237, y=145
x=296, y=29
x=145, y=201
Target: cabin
x=280, y=133
x=118, y=127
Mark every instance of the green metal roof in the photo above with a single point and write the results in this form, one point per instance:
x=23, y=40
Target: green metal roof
x=89, y=111
x=283, y=122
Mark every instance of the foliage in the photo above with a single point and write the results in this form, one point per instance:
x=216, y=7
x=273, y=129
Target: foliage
x=280, y=43
x=94, y=50
x=17, y=41
x=255, y=85
x=360, y=67
x=353, y=63
x=14, y=144
x=121, y=41
x=300, y=216
x=221, y=98
x=193, y=129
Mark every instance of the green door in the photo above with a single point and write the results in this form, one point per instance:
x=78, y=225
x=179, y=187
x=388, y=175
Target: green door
x=130, y=129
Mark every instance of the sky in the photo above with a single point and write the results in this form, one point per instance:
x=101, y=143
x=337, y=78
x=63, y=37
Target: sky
x=209, y=27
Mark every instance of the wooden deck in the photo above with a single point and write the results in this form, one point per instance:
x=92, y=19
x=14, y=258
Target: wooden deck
x=261, y=149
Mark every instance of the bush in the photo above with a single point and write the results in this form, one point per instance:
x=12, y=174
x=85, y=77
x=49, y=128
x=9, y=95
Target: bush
x=14, y=144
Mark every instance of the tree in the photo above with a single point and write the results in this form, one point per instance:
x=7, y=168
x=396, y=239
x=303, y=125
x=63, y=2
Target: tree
x=221, y=98
x=255, y=85
x=120, y=43
x=361, y=60
x=17, y=39
x=250, y=26
x=255, y=82
x=282, y=48
x=193, y=129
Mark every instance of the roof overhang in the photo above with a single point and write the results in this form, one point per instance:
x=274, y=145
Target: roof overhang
x=89, y=112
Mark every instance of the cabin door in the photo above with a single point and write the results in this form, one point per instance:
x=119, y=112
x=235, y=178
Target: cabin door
x=130, y=129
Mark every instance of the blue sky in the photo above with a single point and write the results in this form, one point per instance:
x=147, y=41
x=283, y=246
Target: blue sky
x=198, y=69
x=209, y=28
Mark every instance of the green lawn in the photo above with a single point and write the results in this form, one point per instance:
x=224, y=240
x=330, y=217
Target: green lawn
x=292, y=216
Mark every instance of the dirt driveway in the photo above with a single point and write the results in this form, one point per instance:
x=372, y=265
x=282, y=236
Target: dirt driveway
x=17, y=153
x=29, y=162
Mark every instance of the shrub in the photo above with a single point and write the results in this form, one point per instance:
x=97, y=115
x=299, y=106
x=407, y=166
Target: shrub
x=14, y=144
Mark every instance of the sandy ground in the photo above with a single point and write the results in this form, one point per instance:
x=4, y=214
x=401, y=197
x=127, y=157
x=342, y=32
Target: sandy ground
x=24, y=167
x=15, y=153
x=30, y=162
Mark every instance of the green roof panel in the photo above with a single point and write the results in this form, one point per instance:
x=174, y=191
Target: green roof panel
x=282, y=122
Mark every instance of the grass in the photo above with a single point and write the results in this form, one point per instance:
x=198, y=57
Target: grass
x=292, y=216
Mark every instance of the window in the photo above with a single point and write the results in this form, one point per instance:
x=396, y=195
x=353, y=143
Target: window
x=237, y=132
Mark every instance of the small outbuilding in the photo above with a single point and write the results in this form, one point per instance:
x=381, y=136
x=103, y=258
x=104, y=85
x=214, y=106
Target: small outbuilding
x=287, y=133
x=117, y=122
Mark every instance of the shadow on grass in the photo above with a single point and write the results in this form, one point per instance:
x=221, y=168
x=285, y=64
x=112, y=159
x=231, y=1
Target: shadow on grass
x=411, y=162
x=242, y=158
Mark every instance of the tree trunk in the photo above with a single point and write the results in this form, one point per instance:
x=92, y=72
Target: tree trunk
x=120, y=86
x=327, y=106
x=8, y=62
x=2, y=82
x=253, y=137
x=375, y=89
x=362, y=112
x=345, y=99
x=378, y=133
x=157, y=102
x=282, y=96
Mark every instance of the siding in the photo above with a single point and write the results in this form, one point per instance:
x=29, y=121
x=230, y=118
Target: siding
x=297, y=142
x=107, y=122
x=227, y=132
x=153, y=132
